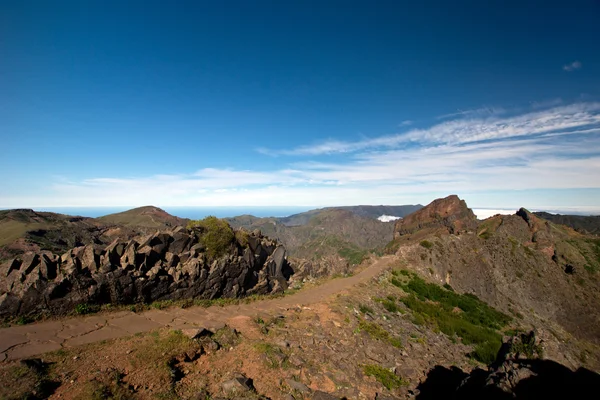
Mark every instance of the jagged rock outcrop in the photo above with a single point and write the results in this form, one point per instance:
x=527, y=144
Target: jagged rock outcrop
x=449, y=214
x=166, y=265
x=518, y=373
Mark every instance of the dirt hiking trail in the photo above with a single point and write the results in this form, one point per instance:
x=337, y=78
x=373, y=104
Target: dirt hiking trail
x=28, y=340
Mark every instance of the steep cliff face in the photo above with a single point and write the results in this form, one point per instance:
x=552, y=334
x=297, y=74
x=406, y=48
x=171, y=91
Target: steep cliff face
x=448, y=215
x=166, y=265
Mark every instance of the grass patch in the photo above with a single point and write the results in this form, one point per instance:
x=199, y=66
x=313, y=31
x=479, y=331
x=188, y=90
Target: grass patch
x=157, y=352
x=384, y=376
x=26, y=380
x=275, y=357
x=426, y=244
x=392, y=247
x=454, y=314
x=365, y=309
x=354, y=256
x=377, y=332
x=390, y=305
x=107, y=385
x=84, y=308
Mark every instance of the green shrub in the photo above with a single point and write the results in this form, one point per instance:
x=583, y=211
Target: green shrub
x=448, y=287
x=390, y=305
x=84, y=308
x=486, y=352
x=215, y=234
x=473, y=309
x=462, y=315
x=426, y=243
x=527, y=346
x=384, y=376
x=241, y=236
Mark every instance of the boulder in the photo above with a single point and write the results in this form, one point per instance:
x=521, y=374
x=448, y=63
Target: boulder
x=239, y=384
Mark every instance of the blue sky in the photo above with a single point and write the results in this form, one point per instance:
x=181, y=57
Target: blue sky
x=308, y=103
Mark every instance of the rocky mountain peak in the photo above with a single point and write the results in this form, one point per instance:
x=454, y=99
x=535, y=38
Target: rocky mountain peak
x=449, y=214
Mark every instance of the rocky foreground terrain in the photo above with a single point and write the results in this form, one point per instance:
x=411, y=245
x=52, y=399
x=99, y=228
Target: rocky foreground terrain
x=459, y=308
x=206, y=262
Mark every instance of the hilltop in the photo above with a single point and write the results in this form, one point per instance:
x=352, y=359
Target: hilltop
x=24, y=230
x=143, y=217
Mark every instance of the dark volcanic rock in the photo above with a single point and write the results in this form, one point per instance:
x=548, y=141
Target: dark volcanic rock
x=511, y=377
x=165, y=265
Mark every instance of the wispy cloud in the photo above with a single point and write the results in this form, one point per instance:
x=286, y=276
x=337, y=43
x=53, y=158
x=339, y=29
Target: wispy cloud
x=558, y=120
x=476, y=112
x=575, y=65
x=405, y=123
x=555, y=148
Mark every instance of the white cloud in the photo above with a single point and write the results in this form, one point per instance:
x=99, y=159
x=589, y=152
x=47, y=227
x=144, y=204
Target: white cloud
x=512, y=156
x=405, y=123
x=388, y=218
x=558, y=120
x=575, y=65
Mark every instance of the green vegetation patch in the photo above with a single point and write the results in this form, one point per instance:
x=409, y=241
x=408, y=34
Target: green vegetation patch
x=26, y=381
x=107, y=385
x=322, y=245
x=426, y=243
x=353, y=255
x=215, y=234
x=384, y=376
x=392, y=247
x=365, y=309
x=377, y=332
x=463, y=315
x=274, y=355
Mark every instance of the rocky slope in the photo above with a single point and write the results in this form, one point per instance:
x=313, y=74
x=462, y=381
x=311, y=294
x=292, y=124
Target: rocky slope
x=580, y=223
x=337, y=235
x=175, y=264
x=545, y=274
x=24, y=230
x=377, y=341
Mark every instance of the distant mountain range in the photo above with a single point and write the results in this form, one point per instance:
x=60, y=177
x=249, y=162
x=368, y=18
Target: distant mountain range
x=585, y=224
x=24, y=230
